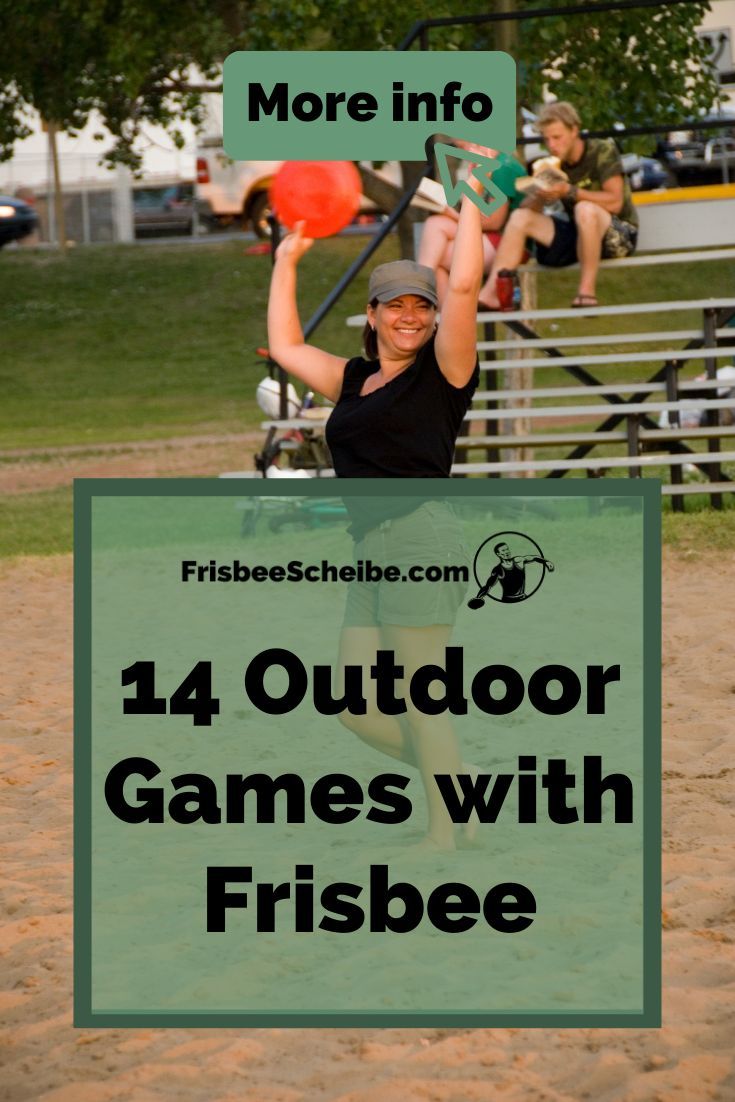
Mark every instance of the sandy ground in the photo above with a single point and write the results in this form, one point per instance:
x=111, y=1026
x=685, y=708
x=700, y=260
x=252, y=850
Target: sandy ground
x=42, y=1057
x=30, y=470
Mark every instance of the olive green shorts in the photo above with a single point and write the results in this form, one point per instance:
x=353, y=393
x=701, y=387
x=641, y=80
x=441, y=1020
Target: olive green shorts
x=429, y=537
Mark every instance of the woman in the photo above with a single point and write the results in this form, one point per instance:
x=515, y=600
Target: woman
x=397, y=413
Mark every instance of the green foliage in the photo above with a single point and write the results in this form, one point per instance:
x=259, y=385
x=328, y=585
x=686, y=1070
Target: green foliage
x=642, y=67
x=137, y=63
x=128, y=60
x=133, y=343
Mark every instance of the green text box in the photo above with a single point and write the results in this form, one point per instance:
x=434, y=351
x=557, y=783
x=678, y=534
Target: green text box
x=276, y=104
x=143, y=952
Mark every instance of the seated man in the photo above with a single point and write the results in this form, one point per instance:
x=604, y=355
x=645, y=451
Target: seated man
x=601, y=219
x=439, y=230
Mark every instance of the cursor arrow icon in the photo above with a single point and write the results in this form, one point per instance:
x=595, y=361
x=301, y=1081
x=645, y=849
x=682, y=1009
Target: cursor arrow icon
x=484, y=166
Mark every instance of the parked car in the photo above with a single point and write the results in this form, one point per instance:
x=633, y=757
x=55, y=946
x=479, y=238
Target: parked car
x=644, y=173
x=163, y=209
x=701, y=154
x=17, y=219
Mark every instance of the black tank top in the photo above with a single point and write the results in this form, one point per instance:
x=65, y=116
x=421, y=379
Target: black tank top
x=405, y=429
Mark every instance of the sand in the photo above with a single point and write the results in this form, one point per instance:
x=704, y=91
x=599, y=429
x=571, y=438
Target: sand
x=43, y=1058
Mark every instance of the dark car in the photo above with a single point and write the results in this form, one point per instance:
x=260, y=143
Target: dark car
x=644, y=173
x=159, y=210
x=702, y=154
x=17, y=219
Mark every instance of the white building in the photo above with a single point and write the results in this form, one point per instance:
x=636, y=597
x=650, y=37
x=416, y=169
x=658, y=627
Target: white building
x=718, y=26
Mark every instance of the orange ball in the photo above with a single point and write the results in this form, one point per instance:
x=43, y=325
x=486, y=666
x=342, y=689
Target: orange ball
x=323, y=194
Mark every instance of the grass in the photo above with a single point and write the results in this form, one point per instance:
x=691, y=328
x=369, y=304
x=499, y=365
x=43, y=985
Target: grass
x=124, y=343
x=700, y=531
x=120, y=343
x=36, y=524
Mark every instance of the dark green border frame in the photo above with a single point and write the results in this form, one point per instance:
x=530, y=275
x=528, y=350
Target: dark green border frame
x=647, y=490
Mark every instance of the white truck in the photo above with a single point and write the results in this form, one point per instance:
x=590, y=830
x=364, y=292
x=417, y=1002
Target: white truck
x=233, y=192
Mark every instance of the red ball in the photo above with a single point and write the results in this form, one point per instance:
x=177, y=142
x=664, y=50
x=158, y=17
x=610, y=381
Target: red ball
x=323, y=194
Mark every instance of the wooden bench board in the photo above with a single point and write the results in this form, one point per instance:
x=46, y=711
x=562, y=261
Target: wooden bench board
x=645, y=259
x=558, y=340
x=610, y=436
x=608, y=461
x=583, y=390
x=698, y=488
x=666, y=307
x=542, y=440
x=703, y=432
x=295, y=423
x=675, y=355
x=617, y=409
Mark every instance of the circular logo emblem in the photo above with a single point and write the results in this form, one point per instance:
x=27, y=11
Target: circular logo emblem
x=509, y=567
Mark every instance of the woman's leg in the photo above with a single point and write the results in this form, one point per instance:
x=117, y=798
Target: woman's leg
x=433, y=737
x=489, y=256
x=390, y=735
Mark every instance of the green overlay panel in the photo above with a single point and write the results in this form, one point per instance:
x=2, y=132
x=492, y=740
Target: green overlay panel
x=351, y=105
x=245, y=855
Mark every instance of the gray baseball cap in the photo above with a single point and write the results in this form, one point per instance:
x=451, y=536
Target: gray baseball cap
x=402, y=277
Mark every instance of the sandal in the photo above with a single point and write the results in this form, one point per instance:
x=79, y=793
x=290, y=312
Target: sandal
x=582, y=301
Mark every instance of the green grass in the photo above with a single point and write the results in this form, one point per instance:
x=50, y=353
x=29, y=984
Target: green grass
x=702, y=530
x=121, y=343
x=36, y=524
x=128, y=343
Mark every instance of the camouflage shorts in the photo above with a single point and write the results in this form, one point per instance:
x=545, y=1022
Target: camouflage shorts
x=620, y=239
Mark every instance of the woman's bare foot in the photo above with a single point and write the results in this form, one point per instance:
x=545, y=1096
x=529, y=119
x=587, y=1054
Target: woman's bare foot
x=428, y=845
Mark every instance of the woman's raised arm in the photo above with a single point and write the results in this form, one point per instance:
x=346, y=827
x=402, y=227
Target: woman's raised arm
x=318, y=369
x=456, y=338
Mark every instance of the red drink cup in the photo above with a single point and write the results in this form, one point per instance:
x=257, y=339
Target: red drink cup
x=504, y=284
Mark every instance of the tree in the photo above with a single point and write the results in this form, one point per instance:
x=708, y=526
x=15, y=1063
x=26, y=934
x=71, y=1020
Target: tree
x=136, y=63
x=639, y=67
x=133, y=62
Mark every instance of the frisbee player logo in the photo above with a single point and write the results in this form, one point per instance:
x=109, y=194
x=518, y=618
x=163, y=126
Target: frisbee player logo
x=509, y=567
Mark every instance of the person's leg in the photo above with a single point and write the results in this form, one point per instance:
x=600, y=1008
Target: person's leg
x=387, y=734
x=435, y=250
x=523, y=223
x=592, y=225
x=434, y=740
x=489, y=252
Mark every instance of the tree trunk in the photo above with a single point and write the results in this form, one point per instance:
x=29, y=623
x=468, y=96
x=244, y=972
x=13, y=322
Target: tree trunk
x=53, y=130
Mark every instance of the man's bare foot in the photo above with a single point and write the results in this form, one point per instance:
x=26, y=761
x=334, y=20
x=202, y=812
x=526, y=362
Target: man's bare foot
x=487, y=305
